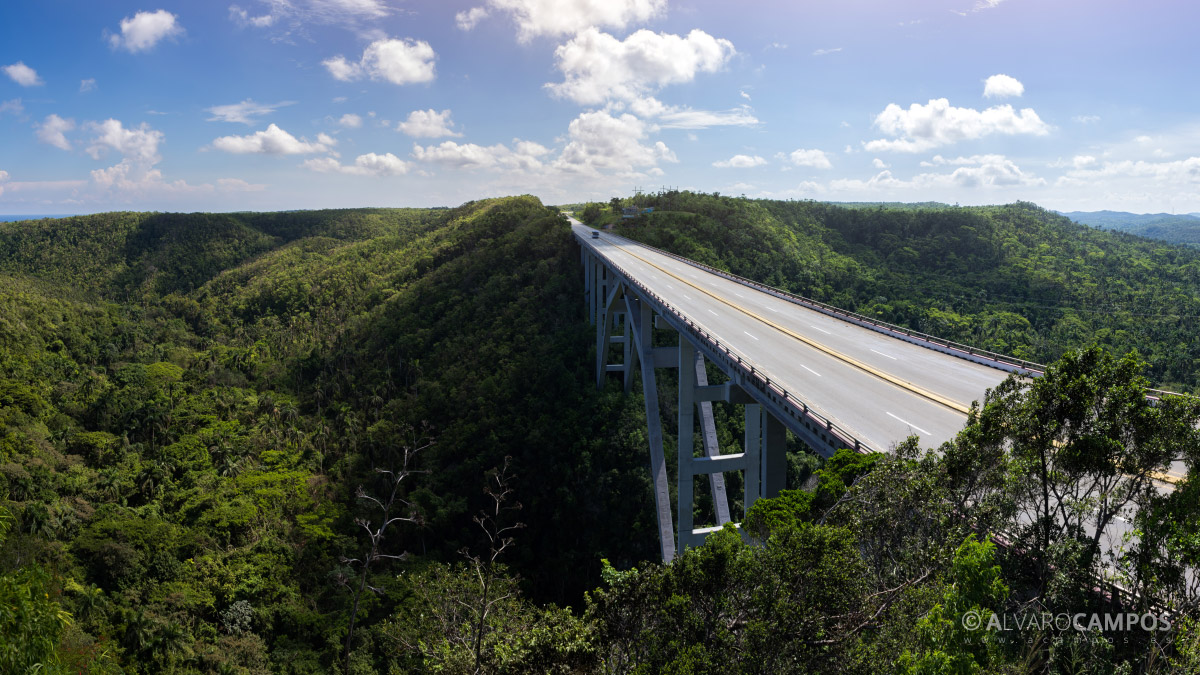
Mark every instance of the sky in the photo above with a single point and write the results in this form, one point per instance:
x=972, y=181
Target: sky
x=300, y=104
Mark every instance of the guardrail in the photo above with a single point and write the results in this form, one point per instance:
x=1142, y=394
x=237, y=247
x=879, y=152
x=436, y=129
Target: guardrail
x=795, y=406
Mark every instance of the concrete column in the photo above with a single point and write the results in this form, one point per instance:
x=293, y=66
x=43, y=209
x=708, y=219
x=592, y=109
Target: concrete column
x=774, y=455
x=753, y=450
x=686, y=431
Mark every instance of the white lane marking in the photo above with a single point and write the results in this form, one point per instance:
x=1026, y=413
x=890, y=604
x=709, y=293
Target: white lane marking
x=738, y=294
x=810, y=370
x=887, y=355
x=773, y=310
x=910, y=424
x=750, y=335
x=713, y=313
x=822, y=330
x=653, y=277
x=670, y=287
x=687, y=296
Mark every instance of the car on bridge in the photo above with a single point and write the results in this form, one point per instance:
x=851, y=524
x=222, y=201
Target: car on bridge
x=595, y=234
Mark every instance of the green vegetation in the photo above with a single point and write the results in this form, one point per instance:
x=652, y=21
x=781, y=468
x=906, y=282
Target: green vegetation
x=1176, y=229
x=367, y=441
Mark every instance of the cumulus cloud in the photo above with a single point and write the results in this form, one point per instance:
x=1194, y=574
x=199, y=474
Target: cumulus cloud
x=938, y=123
x=243, y=112
x=243, y=18
x=879, y=163
x=817, y=159
x=740, y=162
x=974, y=172
x=397, y=61
x=13, y=106
x=524, y=155
x=53, y=130
x=273, y=141
x=597, y=140
x=428, y=124
x=350, y=121
x=23, y=74
x=87, y=85
x=139, y=144
x=238, y=185
x=144, y=30
x=598, y=67
x=369, y=164
x=1002, y=86
x=564, y=17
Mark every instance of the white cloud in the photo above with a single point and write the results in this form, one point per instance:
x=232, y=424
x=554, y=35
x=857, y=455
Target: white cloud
x=598, y=67
x=243, y=18
x=469, y=19
x=823, y=52
x=740, y=162
x=1002, y=86
x=13, y=106
x=564, y=17
x=138, y=144
x=144, y=30
x=238, y=185
x=986, y=4
x=976, y=172
x=428, y=124
x=1086, y=119
x=367, y=9
x=596, y=140
x=53, y=130
x=814, y=158
x=243, y=112
x=676, y=117
x=350, y=121
x=524, y=155
x=397, y=61
x=879, y=163
x=23, y=74
x=1083, y=161
x=87, y=85
x=369, y=164
x=922, y=127
x=272, y=141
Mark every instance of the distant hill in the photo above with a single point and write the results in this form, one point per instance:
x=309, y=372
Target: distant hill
x=1176, y=229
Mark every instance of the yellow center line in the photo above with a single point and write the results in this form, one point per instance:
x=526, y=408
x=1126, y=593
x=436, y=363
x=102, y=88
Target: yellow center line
x=886, y=377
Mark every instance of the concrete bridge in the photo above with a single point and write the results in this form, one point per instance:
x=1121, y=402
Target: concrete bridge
x=833, y=378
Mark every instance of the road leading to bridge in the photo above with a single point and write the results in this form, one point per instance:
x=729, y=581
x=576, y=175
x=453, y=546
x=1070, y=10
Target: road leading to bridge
x=879, y=389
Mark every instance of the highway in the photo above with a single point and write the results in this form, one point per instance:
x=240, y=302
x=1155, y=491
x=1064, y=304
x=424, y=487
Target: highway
x=877, y=388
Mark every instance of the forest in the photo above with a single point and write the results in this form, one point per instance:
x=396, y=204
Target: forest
x=369, y=441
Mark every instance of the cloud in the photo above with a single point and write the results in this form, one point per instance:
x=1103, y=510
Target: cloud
x=922, y=127
x=1002, y=86
x=139, y=144
x=597, y=141
x=740, y=162
x=975, y=172
x=144, y=30
x=243, y=112
x=243, y=18
x=367, y=9
x=1086, y=119
x=87, y=85
x=879, y=163
x=986, y=4
x=470, y=18
x=597, y=67
x=823, y=52
x=13, y=106
x=676, y=117
x=23, y=74
x=397, y=61
x=238, y=185
x=1083, y=161
x=350, y=121
x=369, y=164
x=428, y=124
x=53, y=130
x=272, y=141
x=564, y=17
x=524, y=155
x=817, y=159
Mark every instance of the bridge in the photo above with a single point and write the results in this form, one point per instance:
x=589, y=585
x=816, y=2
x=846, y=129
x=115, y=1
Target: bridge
x=833, y=378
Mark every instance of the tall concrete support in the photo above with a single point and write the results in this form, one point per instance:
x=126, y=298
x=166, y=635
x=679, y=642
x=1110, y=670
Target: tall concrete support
x=658, y=462
x=685, y=434
x=753, y=452
x=774, y=456
x=708, y=433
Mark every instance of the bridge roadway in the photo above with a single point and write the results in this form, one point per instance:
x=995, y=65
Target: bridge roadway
x=878, y=388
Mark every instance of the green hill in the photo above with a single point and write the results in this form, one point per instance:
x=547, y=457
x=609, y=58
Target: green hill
x=1176, y=229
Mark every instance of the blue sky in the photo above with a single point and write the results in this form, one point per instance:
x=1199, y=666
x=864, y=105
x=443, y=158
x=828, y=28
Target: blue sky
x=285, y=104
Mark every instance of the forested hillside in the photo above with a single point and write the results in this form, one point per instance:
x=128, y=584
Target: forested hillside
x=1176, y=229
x=1015, y=279
x=368, y=441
